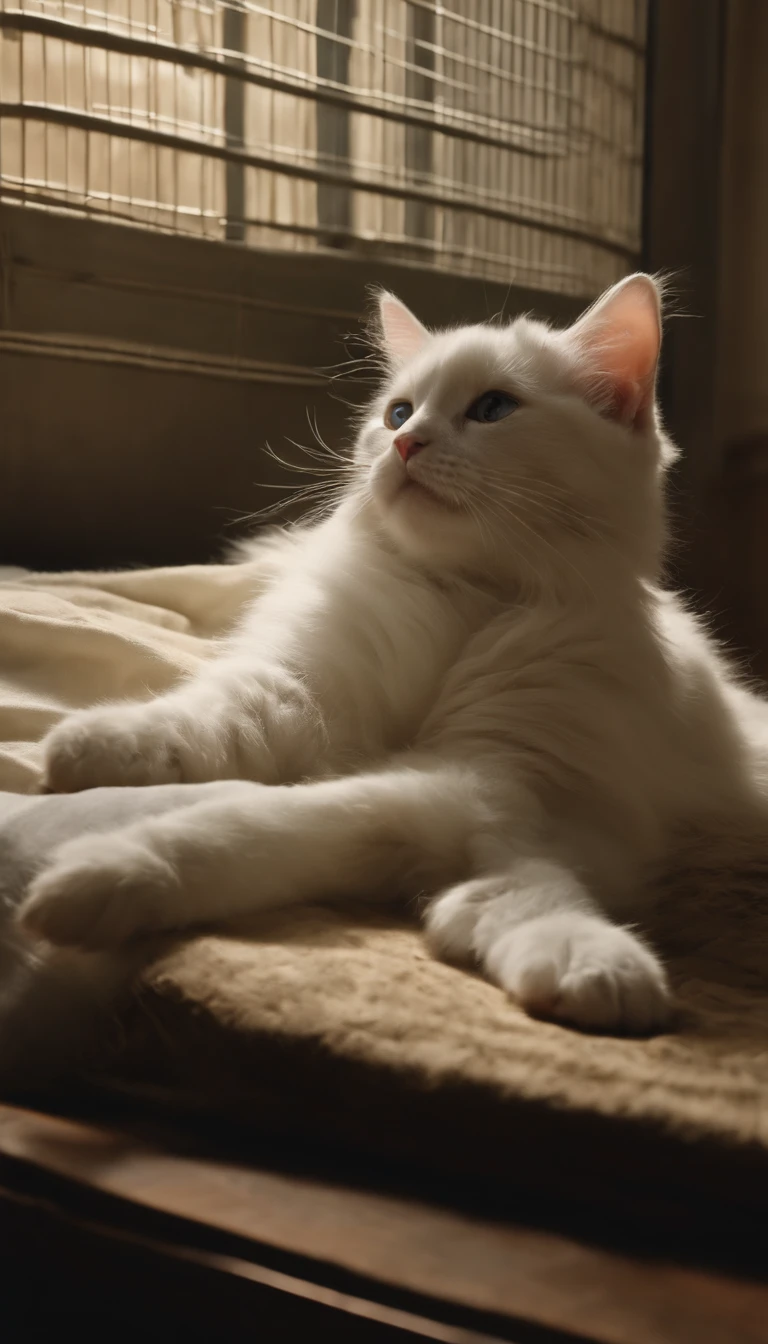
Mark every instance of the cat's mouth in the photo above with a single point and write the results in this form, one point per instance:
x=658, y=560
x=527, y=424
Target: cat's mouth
x=429, y=494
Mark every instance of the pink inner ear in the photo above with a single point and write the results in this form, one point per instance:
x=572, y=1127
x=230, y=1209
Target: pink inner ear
x=403, y=333
x=621, y=338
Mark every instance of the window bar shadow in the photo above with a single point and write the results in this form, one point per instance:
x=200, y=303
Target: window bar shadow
x=234, y=124
x=335, y=23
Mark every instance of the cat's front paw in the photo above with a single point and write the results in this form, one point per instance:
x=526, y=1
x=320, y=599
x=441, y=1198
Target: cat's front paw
x=119, y=744
x=99, y=891
x=581, y=970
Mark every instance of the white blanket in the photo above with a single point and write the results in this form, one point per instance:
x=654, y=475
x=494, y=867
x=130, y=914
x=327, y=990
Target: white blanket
x=67, y=641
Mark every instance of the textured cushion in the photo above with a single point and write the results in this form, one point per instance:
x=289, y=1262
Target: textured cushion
x=337, y=1025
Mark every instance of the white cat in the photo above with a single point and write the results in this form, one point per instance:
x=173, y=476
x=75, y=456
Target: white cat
x=464, y=683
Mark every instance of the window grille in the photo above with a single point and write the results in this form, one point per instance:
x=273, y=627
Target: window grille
x=498, y=138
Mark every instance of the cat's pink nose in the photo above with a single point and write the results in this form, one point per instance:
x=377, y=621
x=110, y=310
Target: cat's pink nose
x=408, y=444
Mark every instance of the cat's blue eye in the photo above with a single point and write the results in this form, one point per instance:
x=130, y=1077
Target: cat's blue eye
x=397, y=414
x=492, y=406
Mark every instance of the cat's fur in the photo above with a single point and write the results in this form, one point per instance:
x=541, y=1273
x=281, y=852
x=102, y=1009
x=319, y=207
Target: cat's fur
x=463, y=684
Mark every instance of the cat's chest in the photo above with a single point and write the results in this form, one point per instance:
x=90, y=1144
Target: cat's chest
x=377, y=665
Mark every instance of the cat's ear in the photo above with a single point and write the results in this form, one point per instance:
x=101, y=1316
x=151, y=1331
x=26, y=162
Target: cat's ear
x=618, y=341
x=402, y=335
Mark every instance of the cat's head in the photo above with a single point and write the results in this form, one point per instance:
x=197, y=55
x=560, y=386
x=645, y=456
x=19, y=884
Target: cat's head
x=520, y=447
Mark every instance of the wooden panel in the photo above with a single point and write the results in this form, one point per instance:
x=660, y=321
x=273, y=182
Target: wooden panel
x=142, y=375
x=741, y=542
x=118, y=463
x=102, y=1281
x=79, y=275
x=497, y=1278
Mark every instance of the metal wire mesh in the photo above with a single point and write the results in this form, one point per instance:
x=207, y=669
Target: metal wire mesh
x=502, y=138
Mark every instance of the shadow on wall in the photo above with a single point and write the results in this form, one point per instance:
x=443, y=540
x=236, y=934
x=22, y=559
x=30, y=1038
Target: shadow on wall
x=739, y=493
